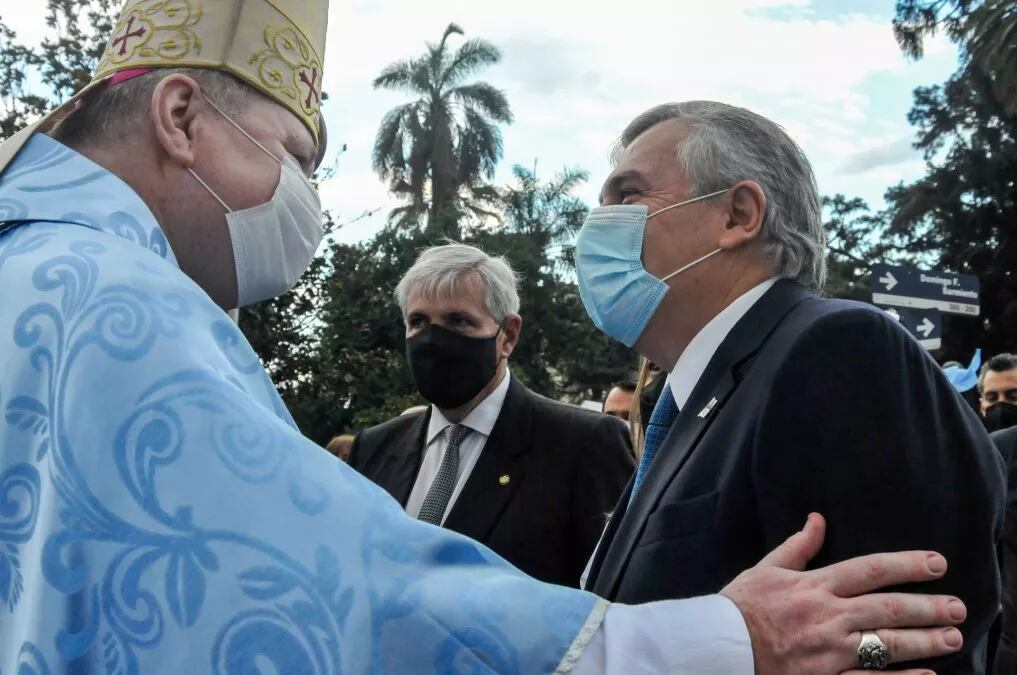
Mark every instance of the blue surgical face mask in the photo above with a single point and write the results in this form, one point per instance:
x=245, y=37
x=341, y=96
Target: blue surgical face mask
x=619, y=294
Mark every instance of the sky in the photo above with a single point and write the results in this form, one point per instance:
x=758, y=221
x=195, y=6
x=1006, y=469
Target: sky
x=575, y=73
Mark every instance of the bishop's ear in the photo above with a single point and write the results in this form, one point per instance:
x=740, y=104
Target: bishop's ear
x=174, y=113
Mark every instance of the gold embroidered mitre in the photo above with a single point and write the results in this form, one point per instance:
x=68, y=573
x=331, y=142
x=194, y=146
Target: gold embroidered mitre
x=276, y=46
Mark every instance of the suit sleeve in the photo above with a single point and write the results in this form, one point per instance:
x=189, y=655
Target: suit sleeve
x=1006, y=441
x=604, y=465
x=862, y=427
x=356, y=452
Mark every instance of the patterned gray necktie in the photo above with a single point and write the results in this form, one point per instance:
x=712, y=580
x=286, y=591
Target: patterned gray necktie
x=438, y=495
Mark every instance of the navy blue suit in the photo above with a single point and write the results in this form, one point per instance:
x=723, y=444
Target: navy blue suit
x=819, y=405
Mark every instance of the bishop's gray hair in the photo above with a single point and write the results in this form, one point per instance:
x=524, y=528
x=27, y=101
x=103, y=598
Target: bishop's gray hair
x=726, y=145
x=113, y=114
x=440, y=270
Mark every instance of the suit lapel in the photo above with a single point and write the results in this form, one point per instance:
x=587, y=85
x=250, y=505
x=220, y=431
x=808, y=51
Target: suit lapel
x=402, y=460
x=487, y=492
x=604, y=545
x=714, y=388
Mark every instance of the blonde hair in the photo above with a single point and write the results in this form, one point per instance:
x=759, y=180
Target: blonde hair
x=635, y=411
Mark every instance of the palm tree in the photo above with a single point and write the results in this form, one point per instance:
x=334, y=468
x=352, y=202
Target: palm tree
x=439, y=150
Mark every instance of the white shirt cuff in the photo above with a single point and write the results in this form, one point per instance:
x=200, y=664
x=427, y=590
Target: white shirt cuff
x=699, y=636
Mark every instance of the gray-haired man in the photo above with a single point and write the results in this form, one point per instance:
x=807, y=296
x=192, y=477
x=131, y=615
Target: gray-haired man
x=778, y=402
x=530, y=477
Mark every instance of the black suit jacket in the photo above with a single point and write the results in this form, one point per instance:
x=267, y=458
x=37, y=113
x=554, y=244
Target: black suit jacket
x=567, y=467
x=820, y=405
x=1006, y=651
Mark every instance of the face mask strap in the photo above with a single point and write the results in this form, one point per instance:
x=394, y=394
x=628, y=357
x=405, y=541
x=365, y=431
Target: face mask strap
x=242, y=130
x=694, y=262
x=687, y=201
x=211, y=191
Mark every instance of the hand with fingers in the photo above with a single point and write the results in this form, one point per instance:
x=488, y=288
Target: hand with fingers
x=813, y=622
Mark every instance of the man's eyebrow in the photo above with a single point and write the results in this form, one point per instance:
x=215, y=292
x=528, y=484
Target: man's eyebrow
x=616, y=178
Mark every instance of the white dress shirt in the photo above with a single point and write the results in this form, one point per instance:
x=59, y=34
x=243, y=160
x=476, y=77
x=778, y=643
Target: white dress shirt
x=693, y=361
x=480, y=422
x=698, y=636
x=710, y=635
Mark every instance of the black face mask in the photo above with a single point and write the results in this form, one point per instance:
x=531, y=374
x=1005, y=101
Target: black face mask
x=1000, y=416
x=449, y=368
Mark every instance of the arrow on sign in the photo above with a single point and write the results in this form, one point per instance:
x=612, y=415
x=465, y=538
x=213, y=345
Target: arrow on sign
x=926, y=327
x=888, y=280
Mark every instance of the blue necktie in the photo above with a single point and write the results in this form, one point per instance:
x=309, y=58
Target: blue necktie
x=664, y=414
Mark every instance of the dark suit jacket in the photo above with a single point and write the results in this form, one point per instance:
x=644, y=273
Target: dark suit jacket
x=820, y=405
x=1006, y=652
x=567, y=468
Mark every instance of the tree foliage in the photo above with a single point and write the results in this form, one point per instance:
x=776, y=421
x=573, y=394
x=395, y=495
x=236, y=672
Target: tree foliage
x=962, y=214
x=63, y=62
x=985, y=30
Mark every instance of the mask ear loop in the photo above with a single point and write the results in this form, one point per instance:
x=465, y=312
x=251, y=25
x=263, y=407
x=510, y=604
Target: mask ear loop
x=674, y=206
x=495, y=338
x=210, y=191
x=687, y=201
x=242, y=130
x=691, y=264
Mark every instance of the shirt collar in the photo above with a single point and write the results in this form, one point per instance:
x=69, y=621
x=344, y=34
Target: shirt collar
x=48, y=181
x=704, y=345
x=481, y=419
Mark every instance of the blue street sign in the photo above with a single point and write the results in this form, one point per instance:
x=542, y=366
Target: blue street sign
x=926, y=325
x=910, y=287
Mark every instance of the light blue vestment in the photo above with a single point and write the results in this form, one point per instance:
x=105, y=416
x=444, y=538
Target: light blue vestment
x=160, y=513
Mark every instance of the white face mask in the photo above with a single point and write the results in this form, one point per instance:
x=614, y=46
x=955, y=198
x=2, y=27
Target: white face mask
x=274, y=242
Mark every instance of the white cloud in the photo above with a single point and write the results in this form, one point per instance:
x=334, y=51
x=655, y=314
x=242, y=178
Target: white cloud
x=880, y=156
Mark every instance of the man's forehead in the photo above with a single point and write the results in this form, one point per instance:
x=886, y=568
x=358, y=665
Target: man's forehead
x=651, y=152
x=465, y=294
x=996, y=379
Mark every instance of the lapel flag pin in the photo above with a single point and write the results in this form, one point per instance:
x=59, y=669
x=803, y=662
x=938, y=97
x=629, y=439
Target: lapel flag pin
x=706, y=411
x=504, y=480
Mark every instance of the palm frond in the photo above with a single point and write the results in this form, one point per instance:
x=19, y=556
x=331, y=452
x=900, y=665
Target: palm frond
x=470, y=57
x=484, y=98
x=452, y=29
x=480, y=145
x=388, y=143
x=401, y=76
